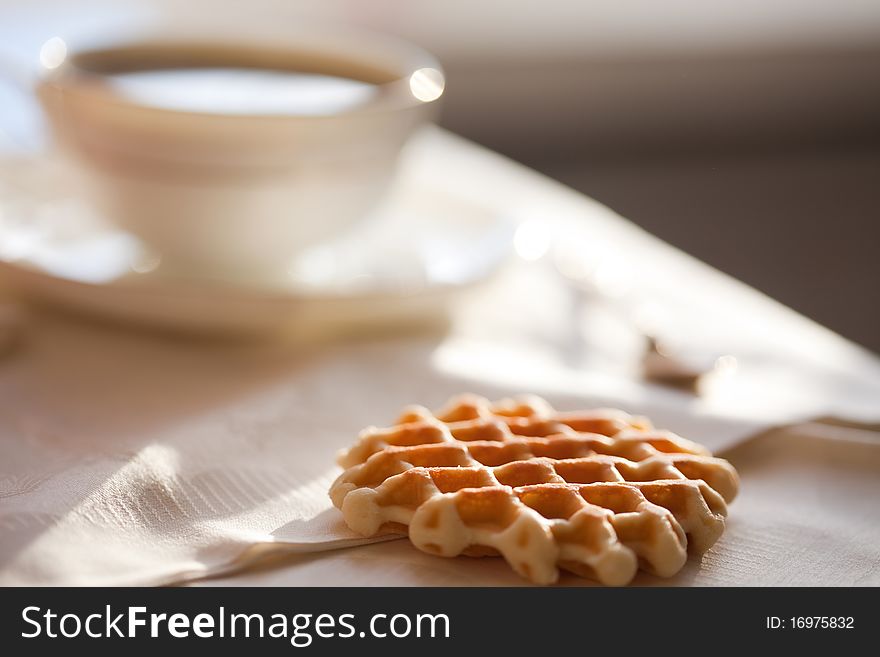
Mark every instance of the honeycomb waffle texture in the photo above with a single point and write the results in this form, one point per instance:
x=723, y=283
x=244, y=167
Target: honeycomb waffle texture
x=599, y=493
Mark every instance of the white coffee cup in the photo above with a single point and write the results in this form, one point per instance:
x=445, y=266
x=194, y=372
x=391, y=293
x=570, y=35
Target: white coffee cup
x=235, y=196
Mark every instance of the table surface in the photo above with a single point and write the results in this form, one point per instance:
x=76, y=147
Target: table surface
x=73, y=383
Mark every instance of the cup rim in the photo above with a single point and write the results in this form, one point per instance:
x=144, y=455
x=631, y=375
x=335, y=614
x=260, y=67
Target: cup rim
x=335, y=44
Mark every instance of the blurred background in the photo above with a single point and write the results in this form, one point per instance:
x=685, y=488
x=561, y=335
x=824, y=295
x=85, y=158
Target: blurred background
x=747, y=133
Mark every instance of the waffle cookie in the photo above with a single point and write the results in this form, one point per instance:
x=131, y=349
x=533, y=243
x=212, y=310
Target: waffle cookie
x=599, y=493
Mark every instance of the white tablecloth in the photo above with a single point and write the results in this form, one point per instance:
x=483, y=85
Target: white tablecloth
x=133, y=458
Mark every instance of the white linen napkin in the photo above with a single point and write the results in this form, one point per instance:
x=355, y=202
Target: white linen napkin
x=806, y=515
x=131, y=459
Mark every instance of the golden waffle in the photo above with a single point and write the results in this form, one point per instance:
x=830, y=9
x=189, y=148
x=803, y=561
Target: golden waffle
x=599, y=493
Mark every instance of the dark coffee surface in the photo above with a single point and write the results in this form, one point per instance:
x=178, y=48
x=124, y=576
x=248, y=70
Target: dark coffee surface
x=230, y=90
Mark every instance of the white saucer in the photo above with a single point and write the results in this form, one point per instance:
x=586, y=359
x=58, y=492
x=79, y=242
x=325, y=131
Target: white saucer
x=404, y=264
